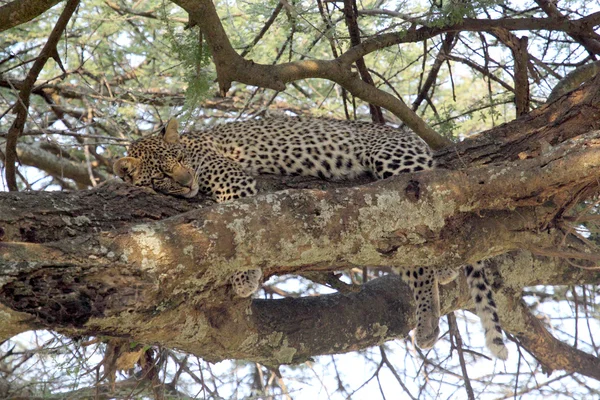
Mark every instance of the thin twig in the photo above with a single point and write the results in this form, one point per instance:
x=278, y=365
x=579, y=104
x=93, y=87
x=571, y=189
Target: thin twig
x=455, y=335
x=388, y=364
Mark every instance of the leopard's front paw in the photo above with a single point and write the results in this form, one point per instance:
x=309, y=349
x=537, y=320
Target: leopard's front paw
x=446, y=275
x=247, y=282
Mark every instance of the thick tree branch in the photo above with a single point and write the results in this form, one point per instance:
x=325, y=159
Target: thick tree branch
x=381, y=223
x=18, y=12
x=533, y=134
x=538, y=341
x=274, y=331
x=377, y=224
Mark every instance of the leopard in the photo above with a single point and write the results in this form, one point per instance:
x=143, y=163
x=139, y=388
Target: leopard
x=222, y=162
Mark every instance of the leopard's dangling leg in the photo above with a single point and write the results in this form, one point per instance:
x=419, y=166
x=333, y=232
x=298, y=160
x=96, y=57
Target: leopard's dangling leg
x=482, y=295
x=245, y=283
x=423, y=283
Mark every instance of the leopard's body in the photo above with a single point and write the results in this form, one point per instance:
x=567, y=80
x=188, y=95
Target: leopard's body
x=222, y=161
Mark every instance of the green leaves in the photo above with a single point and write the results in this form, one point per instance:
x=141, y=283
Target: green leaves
x=187, y=47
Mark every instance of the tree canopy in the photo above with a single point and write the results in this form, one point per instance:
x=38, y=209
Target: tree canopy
x=110, y=291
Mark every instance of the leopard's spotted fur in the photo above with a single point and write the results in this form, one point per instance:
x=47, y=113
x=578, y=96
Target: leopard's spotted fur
x=222, y=160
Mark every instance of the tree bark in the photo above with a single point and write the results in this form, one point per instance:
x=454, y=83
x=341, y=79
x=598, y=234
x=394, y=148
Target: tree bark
x=20, y=11
x=118, y=261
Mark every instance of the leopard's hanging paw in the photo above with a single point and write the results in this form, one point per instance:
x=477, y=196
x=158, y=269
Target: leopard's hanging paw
x=246, y=283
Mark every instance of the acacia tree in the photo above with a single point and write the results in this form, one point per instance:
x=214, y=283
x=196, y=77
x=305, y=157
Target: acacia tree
x=142, y=279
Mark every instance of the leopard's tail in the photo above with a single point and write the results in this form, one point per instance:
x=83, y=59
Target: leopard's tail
x=482, y=295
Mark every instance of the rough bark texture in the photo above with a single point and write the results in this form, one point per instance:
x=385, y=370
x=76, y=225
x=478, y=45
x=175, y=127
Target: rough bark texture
x=20, y=11
x=530, y=135
x=117, y=261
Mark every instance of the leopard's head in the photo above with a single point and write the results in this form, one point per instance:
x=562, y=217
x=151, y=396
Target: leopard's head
x=161, y=163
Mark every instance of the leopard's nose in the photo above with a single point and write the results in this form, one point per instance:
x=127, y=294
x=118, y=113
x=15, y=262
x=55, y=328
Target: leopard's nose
x=183, y=176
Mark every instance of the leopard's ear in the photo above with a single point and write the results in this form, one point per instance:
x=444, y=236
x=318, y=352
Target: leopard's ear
x=171, y=132
x=125, y=165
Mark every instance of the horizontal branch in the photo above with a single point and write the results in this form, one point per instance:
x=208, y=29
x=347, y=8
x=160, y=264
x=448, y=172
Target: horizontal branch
x=381, y=224
x=469, y=25
x=157, y=97
x=61, y=167
x=274, y=331
x=167, y=282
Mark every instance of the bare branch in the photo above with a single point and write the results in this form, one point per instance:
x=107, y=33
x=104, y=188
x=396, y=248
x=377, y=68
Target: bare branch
x=456, y=339
x=586, y=35
x=22, y=105
x=544, y=347
x=518, y=48
x=264, y=30
x=58, y=166
x=444, y=52
x=351, y=14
